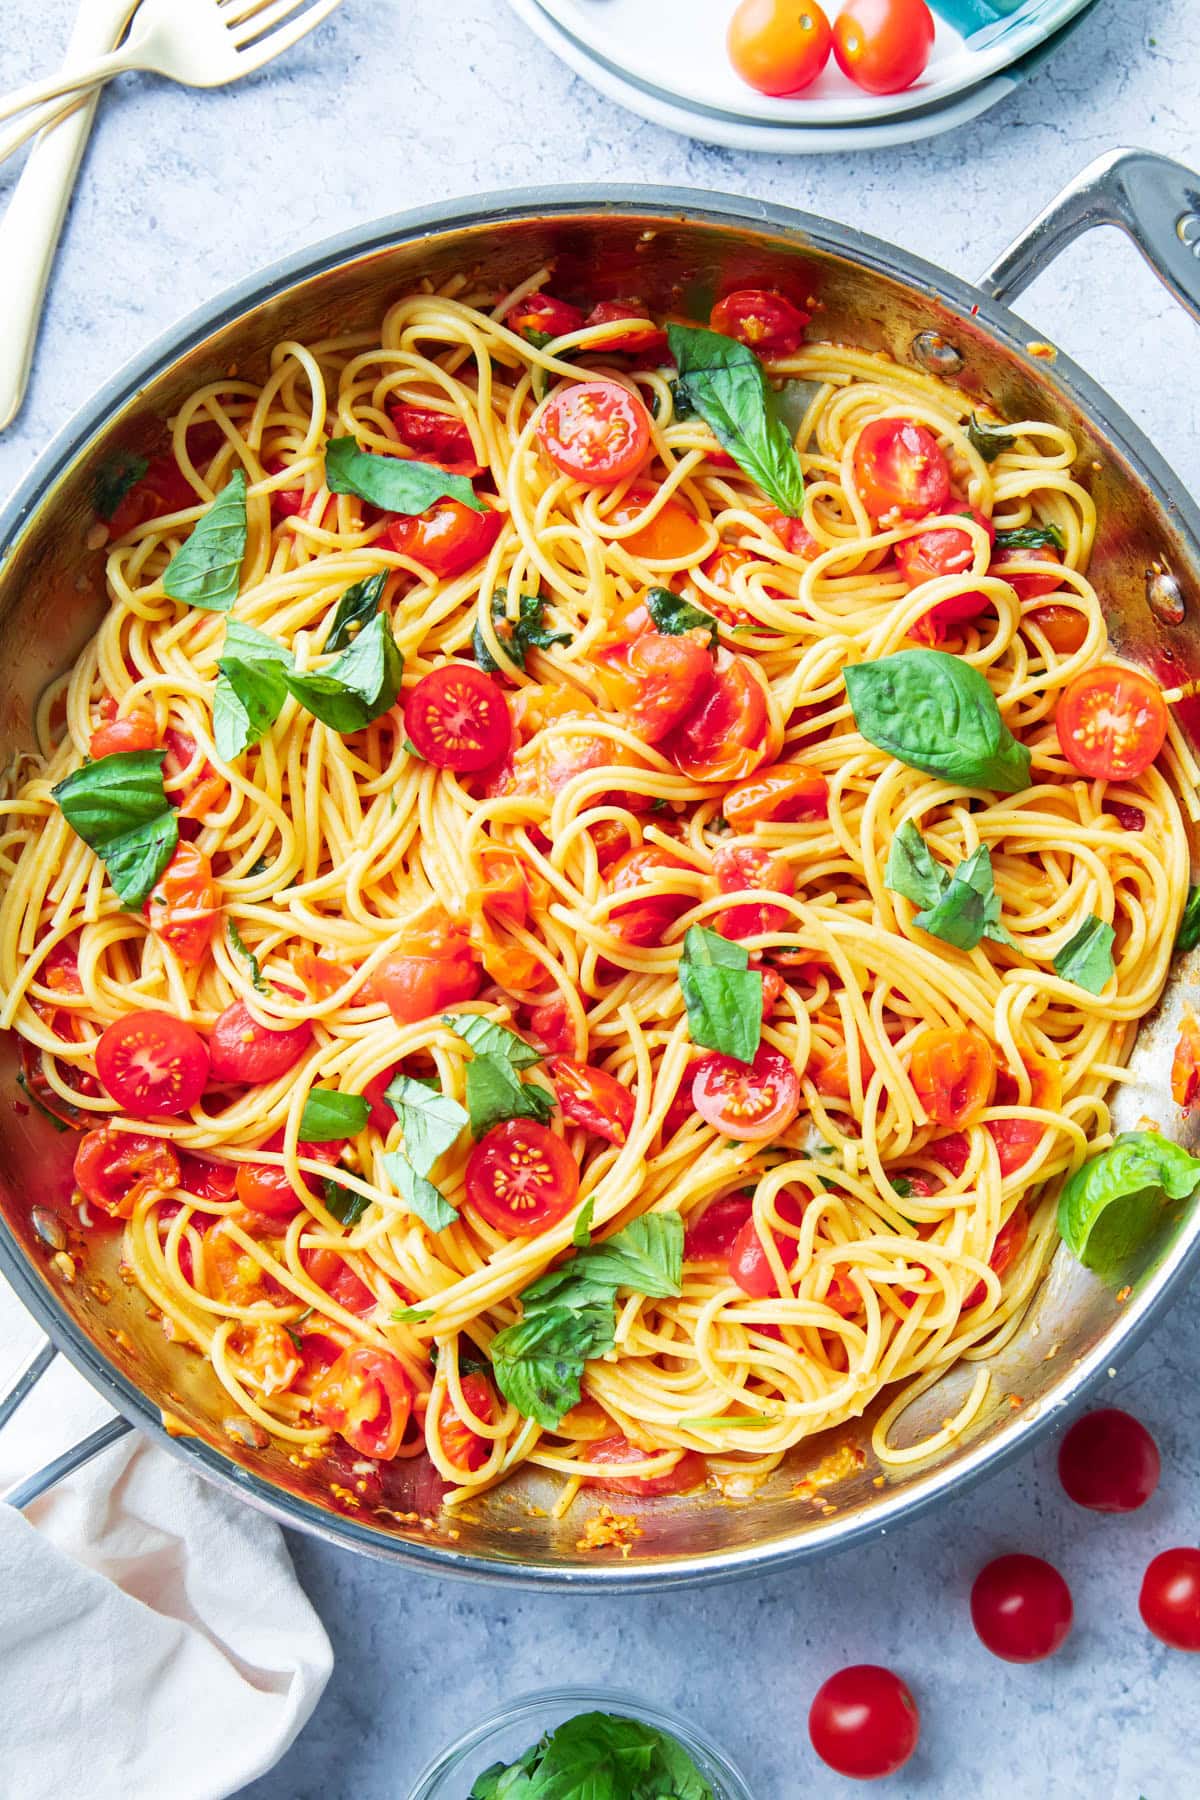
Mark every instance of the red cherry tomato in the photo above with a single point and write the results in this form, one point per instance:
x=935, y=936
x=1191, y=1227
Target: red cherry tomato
x=61, y=967
x=644, y=922
x=738, y=866
x=777, y=46
x=711, y=1237
x=265, y=1187
x=541, y=316
x=644, y=337
x=1021, y=1608
x=436, y=435
x=883, y=45
x=1029, y=581
x=1108, y=1462
x=930, y=555
x=522, y=1178
x=899, y=470
x=864, y=1722
x=592, y=1098
x=439, y=970
x=366, y=1398
x=748, y=1262
x=1170, y=1598
x=152, y=1063
x=457, y=717
x=725, y=737
x=552, y=1026
x=658, y=680
x=333, y=1273
x=783, y=794
x=447, y=538
x=135, y=730
x=953, y=1072
x=689, y=1472
x=246, y=1053
x=115, y=1168
x=1111, y=723
x=1017, y=1139
x=1010, y=1241
x=1185, y=1064
x=184, y=905
x=460, y=1445
x=596, y=432
x=207, y=1179
x=765, y=320
x=748, y=1101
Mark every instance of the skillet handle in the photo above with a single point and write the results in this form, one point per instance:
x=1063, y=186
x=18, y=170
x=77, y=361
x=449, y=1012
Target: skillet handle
x=26, y=1379
x=1155, y=201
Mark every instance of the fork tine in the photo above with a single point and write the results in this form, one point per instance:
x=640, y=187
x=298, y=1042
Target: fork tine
x=259, y=51
x=234, y=11
x=247, y=19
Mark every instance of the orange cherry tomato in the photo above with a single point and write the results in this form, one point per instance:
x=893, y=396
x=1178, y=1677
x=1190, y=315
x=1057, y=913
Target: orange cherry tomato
x=205, y=791
x=246, y=1053
x=643, y=922
x=596, y=432
x=115, y=1168
x=435, y=967
x=319, y=975
x=266, y=1188
x=1064, y=627
x=134, y=730
x=366, y=1398
x=658, y=680
x=953, y=1072
x=457, y=718
x=592, y=1098
x=721, y=571
x=1010, y=1241
x=152, y=1063
x=185, y=904
x=644, y=337
x=786, y=793
x=521, y=1178
x=672, y=535
x=899, y=470
x=504, y=889
x=930, y=555
x=748, y=1101
x=552, y=1026
x=738, y=866
x=436, y=436
x=762, y=318
x=725, y=737
x=1111, y=723
x=779, y=46
x=690, y=1472
x=460, y=1445
x=541, y=316
x=1020, y=568
x=883, y=45
x=1185, y=1067
x=447, y=538
x=61, y=967
x=831, y=1072
x=1017, y=1139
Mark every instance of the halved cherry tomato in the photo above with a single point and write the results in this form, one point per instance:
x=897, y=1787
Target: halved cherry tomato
x=206, y=788
x=595, y=431
x=286, y=503
x=883, y=45
x=246, y=1053
x=778, y=46
x=522, y=1178
x=658, y=680
x=1064, y=628
x=382, y=1117
x=1185, y=1067
x=711, y=1237
x=319, y=976
x=725, y=737
x=551, y=1025
x=1027, y=580
x=592, y=1098
x=134, y=730
x=152, y=1063
x=1021, y=1608
x=953, y=1073
x=783, y=794
x=115, y=1168
x=504, y=890
x=447, y=537
x=793, y=534
x=673, y=534
x=748, y=1262
x=436, y=435
x=184, y=905
x=366, y=1398
x=644, y=337
x=1017, y=1139
x=541, y=316
x=61, y=967
x=460, y=1445
x=763, y=318
x=207, y=1179
x=437, y=970
x=748, y=1101
x=899, y=470
x=690, y=1472
x=164, y=488
x=773, y=986
x=643, y=922
x=265, y=1187
x=457, y=718
x=1010, y=1241
x=930, y=555
x=1111, y=723
x=333, y=1273
x=1109, y=1462
x=738, y=866
x=721, y=570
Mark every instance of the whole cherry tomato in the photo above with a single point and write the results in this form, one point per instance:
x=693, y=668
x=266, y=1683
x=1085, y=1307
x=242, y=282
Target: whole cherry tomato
x=762, y=318
x=953, y=1072
x=1170, y=1598
x=542, y=316
x=447, y=538
x=658, y=680
x=1021, y=1608
x=643, y=922
x=672, y=535
x=462, y=1446
x=1108, y=1462
x=899, y=470
x=644, y=338
x=864, y=1722
x=711, y=1237
x=778, y=46
x=1064, y=628
x=244, y=1052
x=783, y=794
x=883, y=45
x=724, y=738
x=437, y=435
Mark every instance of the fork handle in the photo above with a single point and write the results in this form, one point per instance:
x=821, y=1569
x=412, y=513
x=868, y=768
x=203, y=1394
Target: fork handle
x=102, y=68
x=35, y=120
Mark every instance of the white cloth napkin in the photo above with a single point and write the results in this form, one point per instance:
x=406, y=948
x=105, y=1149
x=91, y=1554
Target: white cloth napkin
x=153, y=1637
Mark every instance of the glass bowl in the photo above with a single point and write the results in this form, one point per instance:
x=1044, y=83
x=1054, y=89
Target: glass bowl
x=503, y=1735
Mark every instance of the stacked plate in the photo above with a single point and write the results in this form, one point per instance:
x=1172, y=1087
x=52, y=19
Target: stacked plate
x=666, y=59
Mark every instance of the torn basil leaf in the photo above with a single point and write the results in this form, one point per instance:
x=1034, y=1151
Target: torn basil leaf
x=723, y=995
x=395, y=483
x=251, y=688
x=1188, y=935
x=418, y=1193
x=989, y=440
x=114, y=478
x=495, y=1092
x=1112, y=1206
x=117, y=805
x=1030, y=537
x=359, y=686
x=330, y=1114
x=725, y=383
x=205, y=571
x=346, y=1206
x=430, y=1120
x=356, y=608
x=518, y=636
x=673, y=615
x=240, y=948
x=1087, y=958
x=485, y=1036
x=961, y=906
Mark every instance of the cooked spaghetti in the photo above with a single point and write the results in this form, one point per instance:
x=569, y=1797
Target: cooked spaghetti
x=624, y=722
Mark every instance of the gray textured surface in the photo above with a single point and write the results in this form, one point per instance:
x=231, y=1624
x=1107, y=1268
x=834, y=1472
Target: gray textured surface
x=396, y=104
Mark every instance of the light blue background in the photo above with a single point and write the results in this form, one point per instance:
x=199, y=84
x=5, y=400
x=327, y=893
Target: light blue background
x=396, y=104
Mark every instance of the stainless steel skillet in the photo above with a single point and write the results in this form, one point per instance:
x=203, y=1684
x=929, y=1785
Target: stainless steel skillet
x=674, y=248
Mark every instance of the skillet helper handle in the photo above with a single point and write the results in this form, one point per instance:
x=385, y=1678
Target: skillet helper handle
x=18, y=1390
x=1154, y=201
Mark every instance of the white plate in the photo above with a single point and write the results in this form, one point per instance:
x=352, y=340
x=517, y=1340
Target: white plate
x=677, y=48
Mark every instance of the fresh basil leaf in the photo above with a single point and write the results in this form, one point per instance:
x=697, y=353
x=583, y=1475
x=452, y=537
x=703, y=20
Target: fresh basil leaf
x=674, y=616
x=419, y=1195
x=346, y=1206
x=251, y=688
x=59, y=1125
x=646, y=1257
x=394, y=483
x=486, y=1037
x=205, y=571
x=412, y=750
x=725, y=383
x=1087, y=959
x=431, y=1121
x=330, y=1114
x=240, y=948
x=1030, y=537
x=118, y=807
x=1111, y=1207
x=360, y=686
x=357, y=607
x=722, y=994
x=911, y=870
x=969, y=909
x=518, y=637
x=581, y=1237
x=538, y=1362
x=675, y=1769
x=1188, y=935
x=936, y=713
x=902, y=1186
x=989, y=440
x=114, y=479
x=495, y=1092
x=596, y=1756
